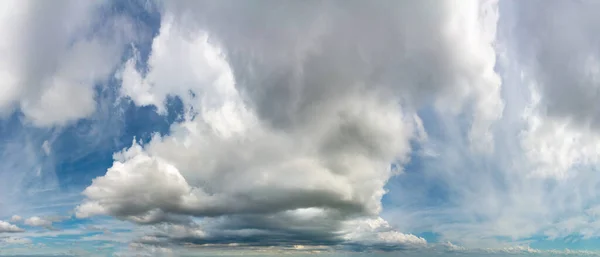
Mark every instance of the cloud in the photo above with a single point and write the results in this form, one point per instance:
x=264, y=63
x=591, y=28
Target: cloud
x=54, y=83
x=398, y=58
x=541, y=177
x=14, y=240
x=38, y=222
x=560, y=52
x=288, y=132
x=561, y=68
x=137, y=249
x=16, y=218
x=295, y=121
x=307, y=227
x=6, y=227
x=60, y=113
x=46, y=147
x=522, y=250
x=377, y=234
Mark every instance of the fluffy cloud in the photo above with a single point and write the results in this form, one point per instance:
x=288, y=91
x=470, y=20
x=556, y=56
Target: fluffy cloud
x=294, y=111
x=16, y=218
x=561, y=67
x=378, y=234
x=298, y=120
x=57, y=62
x=6, y=227
x=38, y=222
x=54, y=83
x=449, y=64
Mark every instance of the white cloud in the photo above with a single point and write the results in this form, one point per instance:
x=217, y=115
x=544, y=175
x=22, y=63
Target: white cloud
x=53, y=83
x=56, y=62
x=292, y=127
x=6, y=227
x=378, y=232
x=38, y=222
x=304, y=116
x=556, y=147
x=542, y=177
x=46, y=147
x=16, y=218
x=260, y=156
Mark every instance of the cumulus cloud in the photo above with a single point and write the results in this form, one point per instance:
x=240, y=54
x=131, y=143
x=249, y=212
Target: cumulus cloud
x=293, y=113
x=377, y=234
x=297, y=120
x=54, y=83
x=56, y=101
x=38, y=222
x=288, y=131
x=6, y=227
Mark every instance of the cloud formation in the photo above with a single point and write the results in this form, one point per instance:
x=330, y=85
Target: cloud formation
x=6, y=227
x=37, y=222
x=300, y=126
x=16, y=218
x=298, y=122
x=54, y=83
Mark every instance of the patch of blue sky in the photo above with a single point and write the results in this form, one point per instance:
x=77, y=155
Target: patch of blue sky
x=82, y=157
x=572, y=242
x=86, y=153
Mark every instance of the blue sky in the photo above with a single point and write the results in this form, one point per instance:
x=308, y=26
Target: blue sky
x=190, y=128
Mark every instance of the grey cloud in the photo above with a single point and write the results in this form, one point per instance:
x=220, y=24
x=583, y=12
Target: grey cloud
x=279, y=229
x=558, y=45
x=321, y=51
x=284, y=230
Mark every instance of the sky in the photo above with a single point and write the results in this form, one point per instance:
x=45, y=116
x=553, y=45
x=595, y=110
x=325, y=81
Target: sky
x=321, y=128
